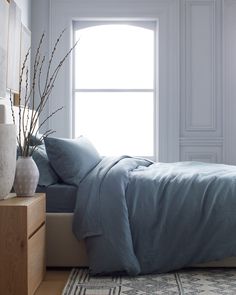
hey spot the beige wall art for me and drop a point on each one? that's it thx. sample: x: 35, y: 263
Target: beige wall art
x: 4, y: 11
x: 14, y: 35
x: 25, y: 46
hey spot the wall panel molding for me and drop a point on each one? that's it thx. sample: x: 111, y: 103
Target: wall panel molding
x: 201, y: 61
x: 229, y: 78
x: 218, y: 141
x: 202, y: 149
x: 210, y: 157
x: 202, y: 154
x: 201, y: 94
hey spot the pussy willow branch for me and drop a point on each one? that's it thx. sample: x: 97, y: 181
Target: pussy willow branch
x: 52, y: 56
x: 26, y: 91
x: 36, y: 64
x: 35, y: 69
x: 22, y: 120
x: 34, y: 83
x: 50, y: 85
x: 12, y: 110
x: 14, y: 119
x: 57, y: 69
x: 20, y: 89
x: 39, y: 76
x: 46, y: 134
x: 47, y: 118
x: 27, y: 110
x: 44, y: 94
x: 52, y: 81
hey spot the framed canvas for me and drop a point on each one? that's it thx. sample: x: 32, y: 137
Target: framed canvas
x: 25, y: 44
x: 14, y: 34
x: 4, y: 11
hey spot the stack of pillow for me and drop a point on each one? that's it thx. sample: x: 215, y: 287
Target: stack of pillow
x: 64, y: 160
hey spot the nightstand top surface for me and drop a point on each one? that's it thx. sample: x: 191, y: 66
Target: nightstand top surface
x: 13, y: 200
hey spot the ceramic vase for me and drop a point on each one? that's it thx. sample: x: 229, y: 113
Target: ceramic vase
x: 7, y: 158
x: 26, y: 177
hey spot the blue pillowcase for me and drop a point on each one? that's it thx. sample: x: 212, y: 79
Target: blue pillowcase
x: 35, y: 139
x: 47, y: 176
x: 72, y: 159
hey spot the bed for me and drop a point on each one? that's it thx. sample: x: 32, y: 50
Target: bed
x: 62, y: 248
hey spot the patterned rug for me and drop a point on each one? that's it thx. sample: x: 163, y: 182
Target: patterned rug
x: 184, y: 282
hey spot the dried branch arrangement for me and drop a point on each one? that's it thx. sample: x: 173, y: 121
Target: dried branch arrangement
x: 28, y: 123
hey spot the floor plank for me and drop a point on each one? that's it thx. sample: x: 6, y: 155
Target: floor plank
x: 54, y: 282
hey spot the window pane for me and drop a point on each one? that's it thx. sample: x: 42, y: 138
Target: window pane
x: 114, y: 57
x: 117, y: 123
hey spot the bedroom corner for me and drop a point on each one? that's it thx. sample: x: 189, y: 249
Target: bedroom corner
x: 131, y: 133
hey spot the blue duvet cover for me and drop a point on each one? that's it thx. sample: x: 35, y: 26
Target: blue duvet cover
x: 141, y: 217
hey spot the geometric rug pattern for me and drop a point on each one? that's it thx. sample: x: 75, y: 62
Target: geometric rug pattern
x: 221, y: 281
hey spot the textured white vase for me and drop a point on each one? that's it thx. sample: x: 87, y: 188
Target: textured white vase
x: 7, y: 158
x: 26, y: 177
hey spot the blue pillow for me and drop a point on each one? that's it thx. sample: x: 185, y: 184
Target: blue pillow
x: 72, y: 159
x: 35, y: 139
x: 47, y: 176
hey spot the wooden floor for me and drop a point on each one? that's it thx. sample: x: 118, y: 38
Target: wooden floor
x: 54, y: 282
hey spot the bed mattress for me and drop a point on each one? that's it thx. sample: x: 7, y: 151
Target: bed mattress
x: 60, y: 198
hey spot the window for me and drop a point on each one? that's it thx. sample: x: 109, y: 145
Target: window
x: 114, y: 88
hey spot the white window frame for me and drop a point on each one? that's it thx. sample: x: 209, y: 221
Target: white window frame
x: 149, y: 24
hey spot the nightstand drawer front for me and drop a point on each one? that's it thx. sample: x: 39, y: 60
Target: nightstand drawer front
x: 36, y: 216
x: 22, y: 244
x: 13, y: 250
x: 36, y: 260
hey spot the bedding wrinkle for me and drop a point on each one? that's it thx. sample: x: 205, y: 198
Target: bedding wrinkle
x: 156, y: 217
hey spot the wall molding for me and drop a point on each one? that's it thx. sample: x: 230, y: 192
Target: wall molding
x: 201, y: 141
x: 211, y: 157
x: 229, y: 74
x: 189, y: 125
x: 202, y: 149
x: 192, y: 107
x: 201, y: 131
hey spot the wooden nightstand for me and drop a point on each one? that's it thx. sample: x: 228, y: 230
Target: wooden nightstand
x: 22, y: 244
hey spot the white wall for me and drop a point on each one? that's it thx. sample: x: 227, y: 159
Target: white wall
x: 229, y: 72
x: 197, y: 97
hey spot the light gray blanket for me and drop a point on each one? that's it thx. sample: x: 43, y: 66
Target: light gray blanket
x: 143, y: 217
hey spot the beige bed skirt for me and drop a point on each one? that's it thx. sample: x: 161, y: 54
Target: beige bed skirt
x: 64, y: 250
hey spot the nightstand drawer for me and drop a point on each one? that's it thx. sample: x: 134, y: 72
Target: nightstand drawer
x: 35, y: 216
x: 22, y: 244
x: 36, y: 259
